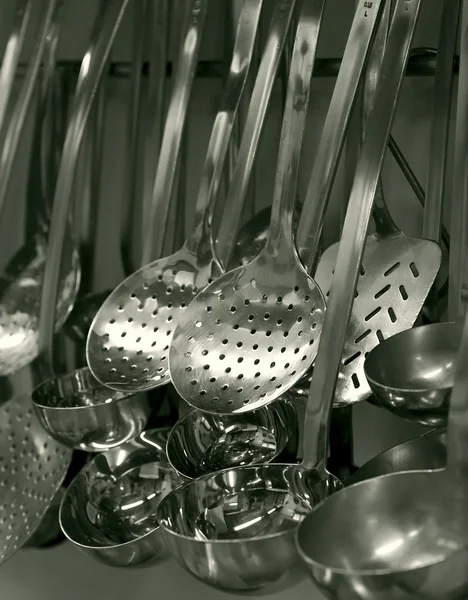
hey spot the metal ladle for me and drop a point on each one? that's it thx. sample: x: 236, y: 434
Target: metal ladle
x: 129, y: 340
x: 412, y: 373
x: 235, y: 529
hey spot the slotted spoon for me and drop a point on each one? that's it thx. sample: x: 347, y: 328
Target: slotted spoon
x: 128, y: 343
x: 253, y: 333
x: 396, y: 275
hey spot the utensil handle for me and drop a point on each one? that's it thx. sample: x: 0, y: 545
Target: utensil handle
x: 459, y: 200
x: 384, y: 224
x: 11, y: 135
x: 293, y: 127
x: 12, y: 54
x: 92, y: 68
x: 156, y: 221
x: 334, y: 130
x: 234, y: 205
x: 225, y: 119
x: 332, y: 339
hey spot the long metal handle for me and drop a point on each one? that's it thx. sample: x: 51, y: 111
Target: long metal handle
x: 266, y: 76
x: 309, y: 229
x: 327, y: 365
x: 155, y: 230
x: 12, y: 54
x: 16, y: 125
x: 459, y: 201
x: 294, y: 120
x: 225, y: 119
x: 92, y: 68
x: 133, y: 194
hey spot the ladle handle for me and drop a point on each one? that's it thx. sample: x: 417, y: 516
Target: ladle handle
x: 92, y: 68
x: 156, y: 222
x: 365, y: 21
x: 459, y: 200
x: 234, y: 205
x: 225, y: 119
x: 11, y: 134
x: 294, y: 120
x: 351, y: 248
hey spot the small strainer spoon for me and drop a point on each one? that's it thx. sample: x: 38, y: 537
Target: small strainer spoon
x: 253, y: 333
x: 128, y: 342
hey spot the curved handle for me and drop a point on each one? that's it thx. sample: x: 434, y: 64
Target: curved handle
x: 12, y: 54
x: 334, y: 129
x: 15, y: 127
x: 234, y: 205
x: 154, y: 232
x: 225, y: 119
x: 351, y: 248
x: 294, y: 120
x: 92, y: 67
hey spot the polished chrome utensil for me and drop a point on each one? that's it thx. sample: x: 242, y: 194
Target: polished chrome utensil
x: 108, y: 511
x: 420, y: 389
x: 397, y: 273
x: 128, y: 343
x: 79, y: 412
x: 253, y: 333
x: 21, y: 281
x: 71, y: 407
x: 235, y: 529
x: 428, y: 451
x: 201, y: 443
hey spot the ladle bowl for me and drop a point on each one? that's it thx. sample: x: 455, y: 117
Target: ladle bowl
x: 202, y: 443
x: 79, y: 412
x: 108, y: 511
x: 411, y: 374
x: 234, y: 529
x: 422, y: 453
x: 391, y: 537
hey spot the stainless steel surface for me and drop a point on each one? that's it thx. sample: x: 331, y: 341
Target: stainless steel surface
x: 412, y: 373
x: 252, y: 333
x: 423, y: 453
x: 201, y: 443
x: 79, y: 412
x: 368, y: 540
x: 156, y: 221
x: 234, y: 529
x: 396, y: 275
x: 21, y: 281
x: 155, y: 296
x: 109, y: 510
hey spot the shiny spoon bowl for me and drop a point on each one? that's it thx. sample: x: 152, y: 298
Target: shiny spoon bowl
x: 411, y: 374
x: 108, y: 511
x: 201, y: 443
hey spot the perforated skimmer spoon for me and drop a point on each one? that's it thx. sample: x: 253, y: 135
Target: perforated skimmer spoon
x: 396, y: 275
x: 253, y: 333
x: 128, y: 343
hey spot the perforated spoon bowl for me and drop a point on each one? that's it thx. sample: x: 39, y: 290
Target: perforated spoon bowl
x: 128, y: 343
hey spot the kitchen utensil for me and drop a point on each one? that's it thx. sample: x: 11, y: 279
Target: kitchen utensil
x: 235, y: 529
x: 428, y: 451
x: 108, y: 511
x: 397, y: 273
x: 70, y: 406
x: 146, y: 306
x: 21, y: 281
x: 420, y: 389
x: 201, y: 443
x: 253, y: 333
x: 79, y: 412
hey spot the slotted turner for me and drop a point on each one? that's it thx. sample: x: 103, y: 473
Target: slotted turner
x: 250, y: 335
x: 128, y: 342
x: 396, y: 276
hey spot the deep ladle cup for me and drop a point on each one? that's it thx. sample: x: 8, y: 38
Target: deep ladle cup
x: 235, y: 529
